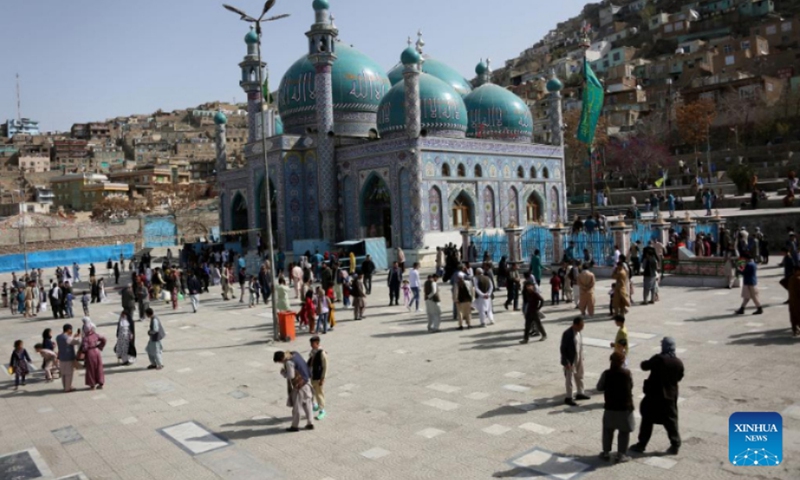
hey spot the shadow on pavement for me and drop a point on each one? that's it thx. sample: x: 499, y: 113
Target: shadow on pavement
x: 780, y: 336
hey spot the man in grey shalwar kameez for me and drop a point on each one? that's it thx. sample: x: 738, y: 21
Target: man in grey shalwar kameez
x: 156, y: 334
x: 298, y: 379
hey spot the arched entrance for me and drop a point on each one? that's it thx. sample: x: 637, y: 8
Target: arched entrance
x: 262, y: 210
x: 239, y: 219
x: 534, y: 208
x: 376, y: 208
x: 488, y: 208
x: 554, y: 210
x: 463, y: 211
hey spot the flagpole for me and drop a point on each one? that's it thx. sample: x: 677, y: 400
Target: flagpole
x: 592, y: 174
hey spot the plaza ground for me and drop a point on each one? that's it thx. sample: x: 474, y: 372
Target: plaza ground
x: 402, y: 403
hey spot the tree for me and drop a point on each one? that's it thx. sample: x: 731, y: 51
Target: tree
x: 639, y: 156
x: 182, y: 201
x: 575, y: 151
x: 115, y: 209
x: 694, y: 121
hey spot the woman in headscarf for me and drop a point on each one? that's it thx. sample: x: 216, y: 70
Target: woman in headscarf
x: 616, y: 384
x: 92, y: 344
x: 124, y: 340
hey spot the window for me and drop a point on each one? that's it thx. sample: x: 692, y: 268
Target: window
x: 786, y: 27
x: 545, y: 173
x: 679, y: 26
x: 605, y: 63
x: 616, y: 57
x: 727, y: 49
x: 461, y: 171
x: 772, y: 30
x: 478, y: 171
x: 746, y: 45
x: 729, y: 60
x: 668, y: 28
x: 520, y: 172
x: 533, y: 173
x: 769, y: 87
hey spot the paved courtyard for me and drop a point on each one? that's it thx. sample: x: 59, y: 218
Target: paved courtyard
x: 402, y: 403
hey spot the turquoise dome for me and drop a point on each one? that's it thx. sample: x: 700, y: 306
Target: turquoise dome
x: 321, y: 5
x: 251, y: 38
x: 496, y: 113
x: 481, y: 68
x: 439, y: 70
x: 220, y: 118
x: 554, y: 85
x: 359, y: 84
x: 410, y: 56
x: 443, y: 109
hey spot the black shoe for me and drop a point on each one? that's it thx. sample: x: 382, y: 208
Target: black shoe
x: 570, y: 402
x: 309, y: 427
x: 460, y: 328
x: 292, y: 429
x: 523, y: 342
x: 673, y: 450
x: 151, y: 367
x: 739, y: 312
x: 605, y: 456
x: 637, y: 447
x: 506, y: 305
x: 759, y: 311
x: 581, y: 396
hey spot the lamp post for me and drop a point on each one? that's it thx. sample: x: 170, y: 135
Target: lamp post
x: 257, y: 22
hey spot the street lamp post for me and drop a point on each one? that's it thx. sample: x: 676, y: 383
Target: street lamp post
x: 257, y: 22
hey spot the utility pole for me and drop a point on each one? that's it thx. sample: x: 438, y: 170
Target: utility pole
x: 19, y: 102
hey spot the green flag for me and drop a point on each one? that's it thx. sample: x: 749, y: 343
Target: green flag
x: 592, y: 105
x: 265, y: 91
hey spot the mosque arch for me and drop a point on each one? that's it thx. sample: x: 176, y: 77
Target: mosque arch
x: 461, y: 170
x: 478, y: 171
x: 463, y: 210
x: 534, y: 208
x: 554, y: 205
x: 489, y: 208
x: 545, y: 173
x: 239, y: 218
x: 513, y: 205
x: 376, y: 207
x: 446, y: 170
x: 534, y: 173
x: 520, y: 172
x: 435, y: 209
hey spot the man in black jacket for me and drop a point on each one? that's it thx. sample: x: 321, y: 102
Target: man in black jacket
x: 394, y: 280
x: 660, y: 402
x: 572, y: 360
x: 194, y: 286
x: 367, y: 269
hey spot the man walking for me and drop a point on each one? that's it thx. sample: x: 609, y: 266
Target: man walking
x: 512, y: 285
x: 536, y: 267
x: 650, y: 272
x: 318, y: 364
x: 357, y: 291
x: 128, y: 301
x: 750, y: 286
x: 483, y: 298
x: 572, y: 360
x: 193, y: 284
x: 156, y: 334
x: 143, y: 299
x: 394, y: 279
x: 660, y: 403
x: 432, y: 303
x: 415, y: 284
x: 586, y: 282
x: 76, y: 273
x: 66, y: 356
x: 367, y: 269
x: 295, y: 371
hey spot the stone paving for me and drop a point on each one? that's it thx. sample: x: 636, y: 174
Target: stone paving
x: 402, y: 403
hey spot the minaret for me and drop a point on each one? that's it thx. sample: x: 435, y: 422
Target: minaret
x: 412, y: 61
x: 483, y: 72
x: 322, y: 53
x: 221, y: 141
x: 554, y: 87
x: 250, y: 85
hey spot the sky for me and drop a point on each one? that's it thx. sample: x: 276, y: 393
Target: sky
x: 89, y: 60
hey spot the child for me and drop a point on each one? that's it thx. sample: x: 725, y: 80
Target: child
x: 13, y: 303
x: 70, y: 298
x: 19, y: 363
x: 323, y: 310
x: 308, y: 314
x: 85, y: 302
x: 555, y: 289
x: 406, y: 294
x: 332, y: 316
x: 318, y: 366
x: 252, y: 288
x: 620, y: 343
x: 562, y: 274
x: 611, y: 299
x: 5, y: 295
x: 49, y: 357
x: 346, y: 292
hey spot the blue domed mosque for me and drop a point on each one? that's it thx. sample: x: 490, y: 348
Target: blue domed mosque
x: 414, y: 155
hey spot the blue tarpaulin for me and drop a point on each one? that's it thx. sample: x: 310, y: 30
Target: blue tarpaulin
x: 55, y: 258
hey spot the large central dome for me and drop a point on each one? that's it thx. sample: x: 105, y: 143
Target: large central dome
x: 359, y: 84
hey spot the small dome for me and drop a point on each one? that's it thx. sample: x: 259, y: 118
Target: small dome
x: 481, y: 68
x: 554, y: 85
x: 496, y: 113
x: 439, y: 70
x: 321, y: 5
x: 220, y: 118
x: 251, y: 38
x: 443, y: 110
x: 410, y: 56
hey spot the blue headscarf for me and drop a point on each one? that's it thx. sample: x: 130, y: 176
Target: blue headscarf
x: 668, y: 346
